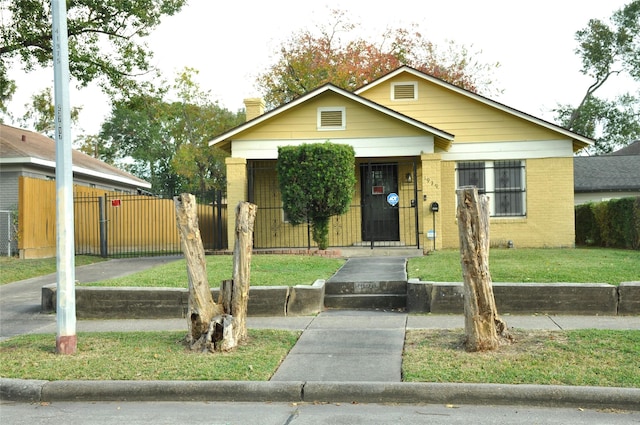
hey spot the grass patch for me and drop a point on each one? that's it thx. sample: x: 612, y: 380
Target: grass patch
x: 584, y: 357
x: 13, y: 269
x: 143, y: 356
x: 266, y: 270
x: 536, y: 265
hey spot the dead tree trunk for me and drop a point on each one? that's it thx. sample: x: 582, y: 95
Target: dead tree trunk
x: 235, y: 294
x: 483, y: 327
x: 202, y: 309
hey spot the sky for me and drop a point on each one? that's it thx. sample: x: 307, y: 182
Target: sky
x: 231, y: 42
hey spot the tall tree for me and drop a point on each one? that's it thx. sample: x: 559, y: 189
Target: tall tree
x: 40, y: 113
x: 308, y: 60
x: 104, y: 39
x: 608, y: 51
x: 199, y: 119
x: 163, y: 135
x: 137, y: 135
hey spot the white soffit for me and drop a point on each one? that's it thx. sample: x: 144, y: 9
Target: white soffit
x: 509, y: 150
x: 364, y: 148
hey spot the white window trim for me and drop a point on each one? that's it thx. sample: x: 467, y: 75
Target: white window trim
x: 409, y: 83
x: 340, y: 109
x: 490, y: 187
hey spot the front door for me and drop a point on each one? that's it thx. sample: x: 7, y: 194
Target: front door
x: 380, y: 217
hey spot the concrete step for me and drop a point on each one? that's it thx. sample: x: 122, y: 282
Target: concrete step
x: 385, y: 287
x: 366, y: 301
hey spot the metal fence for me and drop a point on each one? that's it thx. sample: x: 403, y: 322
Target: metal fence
x: 121, y: 225
x: 383, y: 212
x: 8, y: 240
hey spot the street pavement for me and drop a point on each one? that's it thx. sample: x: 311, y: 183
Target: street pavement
x: 341, y: 356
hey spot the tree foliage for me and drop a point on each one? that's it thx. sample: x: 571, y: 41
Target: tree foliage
x: 105, y: 39
x: 165, y: 141
x: 317, y: 182
x: 608, y: 51
x: 308, y: 60
x: 40, y: 113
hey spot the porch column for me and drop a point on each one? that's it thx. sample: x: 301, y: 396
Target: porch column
x: 236, y: 193
x: 431, y: 192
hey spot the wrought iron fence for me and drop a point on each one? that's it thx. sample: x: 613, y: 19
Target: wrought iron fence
x: 383, y: 211
x: 122, y: 225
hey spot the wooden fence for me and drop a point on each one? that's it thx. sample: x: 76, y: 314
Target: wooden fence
x: 110, y: 224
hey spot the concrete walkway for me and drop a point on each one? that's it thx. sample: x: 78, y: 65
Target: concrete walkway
x: 371, y: 269
x: 350, y: 346
x: 354, y: 345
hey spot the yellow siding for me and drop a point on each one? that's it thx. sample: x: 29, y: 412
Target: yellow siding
x: 549, y: 221
x: 468, y: 119
x: 301, y: 123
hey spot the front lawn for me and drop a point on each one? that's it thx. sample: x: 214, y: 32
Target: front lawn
x: 579, y: 265
x: 266, y: 270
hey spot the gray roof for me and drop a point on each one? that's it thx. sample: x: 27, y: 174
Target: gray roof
x: 609, y: 173
x: 20, y: 146
x: 632, y: 148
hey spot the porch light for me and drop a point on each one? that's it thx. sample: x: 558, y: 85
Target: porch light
x: 408, y: 178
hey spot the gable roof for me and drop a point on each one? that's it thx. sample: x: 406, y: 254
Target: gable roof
x: 632, y: 148
x: 579, y: 141
x: 607, y: 173
x: 223, y: 139
x: 20, y: 146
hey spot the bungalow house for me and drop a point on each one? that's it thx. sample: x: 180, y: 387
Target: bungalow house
x: 25, y: 153
x: 416, y: 139
x: 605, y: 177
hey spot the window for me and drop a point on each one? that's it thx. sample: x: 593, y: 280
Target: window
x: 502, y: 181
x: 404, y: 91
x: 331, y: 118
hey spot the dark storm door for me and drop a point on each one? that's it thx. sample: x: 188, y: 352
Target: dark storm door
x: 380, y: 218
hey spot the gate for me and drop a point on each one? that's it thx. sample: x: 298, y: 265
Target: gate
x: 383, y: 211
x: 389, y: 193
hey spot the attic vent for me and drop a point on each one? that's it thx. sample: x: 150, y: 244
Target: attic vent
x: 404, y: 91
x: 331, y: 118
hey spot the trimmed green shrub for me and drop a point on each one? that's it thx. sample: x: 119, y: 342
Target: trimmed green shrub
x: 587, y: 232
x: 316, y: 181
x: 614, y: 223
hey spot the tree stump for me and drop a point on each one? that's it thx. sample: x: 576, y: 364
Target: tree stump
x: 202, y: 310
x: 243, y: 248
x: 484, y: 329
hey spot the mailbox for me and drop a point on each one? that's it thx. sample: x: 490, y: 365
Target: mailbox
x: 435, y: 207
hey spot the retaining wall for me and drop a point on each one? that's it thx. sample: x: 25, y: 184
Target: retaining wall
x: 530, y: 298
x: 304, y: 300
x: 93, y: 302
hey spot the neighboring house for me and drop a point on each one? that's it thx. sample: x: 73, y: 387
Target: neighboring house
x: 416, y: 139
x: 601, y: 178
x: 25, y: 153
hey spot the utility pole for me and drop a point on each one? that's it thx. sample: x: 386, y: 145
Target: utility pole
x: 66, y: 338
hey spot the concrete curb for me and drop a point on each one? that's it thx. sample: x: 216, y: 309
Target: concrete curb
x: 31, y: 391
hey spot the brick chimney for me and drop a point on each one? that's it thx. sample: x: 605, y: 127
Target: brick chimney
x: 254, y: 107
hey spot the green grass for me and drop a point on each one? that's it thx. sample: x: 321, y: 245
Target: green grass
x: 13, y: 269
x: 266, y: 270
x: 536, y: 265
x: 585, y: 357
x: 143, y: 356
